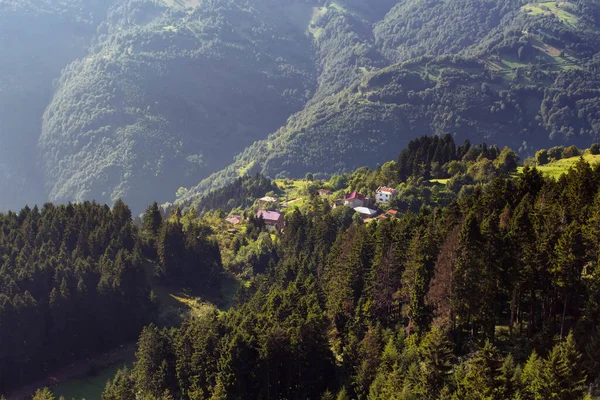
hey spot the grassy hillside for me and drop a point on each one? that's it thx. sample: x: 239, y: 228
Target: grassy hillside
x: 555, y: 169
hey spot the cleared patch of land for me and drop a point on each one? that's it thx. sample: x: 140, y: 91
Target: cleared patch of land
x: 557, y: 168
x: 564, y: 10
x: 439, y: 181
x: 317, y: 13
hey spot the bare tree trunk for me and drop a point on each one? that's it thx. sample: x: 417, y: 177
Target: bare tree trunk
x: 513, y: 309
x: 531, y: 314
x: 564, y: 316
x: 520, y: 314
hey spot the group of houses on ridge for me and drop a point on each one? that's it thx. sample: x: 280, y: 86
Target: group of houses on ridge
x: 363, y: 205
x: 274, y: 219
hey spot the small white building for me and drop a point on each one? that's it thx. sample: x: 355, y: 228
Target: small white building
x: 385, y: 194
x: 365, y: 212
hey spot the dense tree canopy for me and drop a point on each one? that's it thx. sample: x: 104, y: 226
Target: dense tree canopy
x: 493, y: 295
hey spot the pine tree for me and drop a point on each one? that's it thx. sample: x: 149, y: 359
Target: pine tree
x: 480, y: 381
x: 121, y: 387
x: 436, y: 358
x: 152, y: 219
x: 563, y: 377
x: 468, y: 297
x: 533, y: 378
x: 569, y: 261
x: 43, y: 394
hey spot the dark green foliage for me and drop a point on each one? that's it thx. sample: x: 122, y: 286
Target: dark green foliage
x: 68, y: 276
x: 571, y: 151
x: 187, y: 256
x: 542, y: 157
x: 422, y: 152
x: 452, y: 302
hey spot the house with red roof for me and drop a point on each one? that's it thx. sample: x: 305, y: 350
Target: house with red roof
x: 354, y: 200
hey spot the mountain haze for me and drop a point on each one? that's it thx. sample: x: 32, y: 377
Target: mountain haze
x: 138, y: 98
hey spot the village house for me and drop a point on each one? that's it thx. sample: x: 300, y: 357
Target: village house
x: 266, y: 200
x: 324, y: 192
x: 355, y: 200
x: 234, y: 219
x: 385, y: 194
x: 273, y: 219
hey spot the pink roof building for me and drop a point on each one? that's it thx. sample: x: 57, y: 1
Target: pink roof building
x: 272, y: 219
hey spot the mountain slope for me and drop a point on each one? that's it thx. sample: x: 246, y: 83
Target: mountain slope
x: 164, y: 94
x: 172, y: 96
x: 530, y: 81
x: 37, y: 39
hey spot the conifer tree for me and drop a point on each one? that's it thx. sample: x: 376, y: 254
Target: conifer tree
x: 436, y: 359
x: 481, y: 378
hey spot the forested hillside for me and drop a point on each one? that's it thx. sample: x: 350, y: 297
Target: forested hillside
x: 475, y: 281
x: 167, y: 96
x: 74, y: 281
x: 491, y: 295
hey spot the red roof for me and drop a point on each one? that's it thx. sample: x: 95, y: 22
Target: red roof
x: 386, y: 190
x: 354, y: 195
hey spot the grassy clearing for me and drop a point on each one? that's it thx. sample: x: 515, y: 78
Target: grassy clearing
x: 564, y: 10
x: 244, y: 171
x: 91, y: 387
x: 293, y: 192
x: 317, y: 13
x: 557, y: 168
x: 439, y: 181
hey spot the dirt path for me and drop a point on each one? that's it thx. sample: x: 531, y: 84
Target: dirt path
x: 78, y: 369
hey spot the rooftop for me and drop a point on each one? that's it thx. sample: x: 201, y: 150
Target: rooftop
x: 386, y: 190
x: 365, y: 211
x: 355, y: 195
x: 269, y: 215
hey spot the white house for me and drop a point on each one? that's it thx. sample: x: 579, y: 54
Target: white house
x: 385, y: 194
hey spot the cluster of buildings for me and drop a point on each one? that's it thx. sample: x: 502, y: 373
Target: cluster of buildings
x: 365, y: 206
x: 274, y: 219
